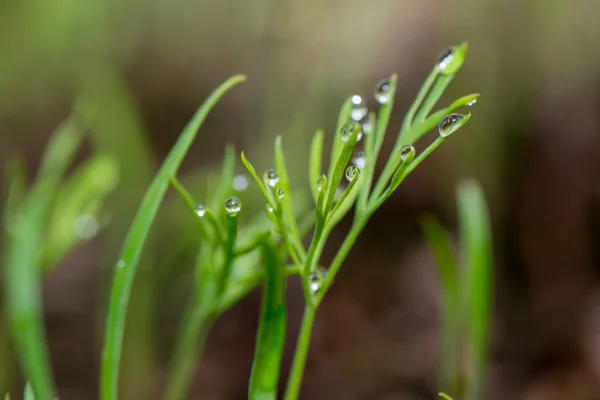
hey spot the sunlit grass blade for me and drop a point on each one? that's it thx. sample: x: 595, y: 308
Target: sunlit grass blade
x: 132, y: 248
x: 271, y: 332
x: 258, y: 181
x: 315, y: 163
x: 448, y: 272
x: 477, y: 242
x: 23, y: 260
x: 337, y: 145
x: 444, y: 396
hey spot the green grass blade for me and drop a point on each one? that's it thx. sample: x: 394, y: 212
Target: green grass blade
x: 286, y: 201
x: 439, y: 241
x: 225, y: 182
x: 15, y: 178
x: 82, y: 194
x: 28, y: 394
x: 338, y: 145
x: 271, y: 332
x: 347, y: 200
x: 138, y: 233
x: 459, y: 53
x: 193, y: 329
x: 258, y: 181
x: 477, y: 241
x: 315, y: 163
x: 23, y: 266
x: 383, y: 119
x: 340, y: 167
x: 7, y: 396
x: 444, y: 396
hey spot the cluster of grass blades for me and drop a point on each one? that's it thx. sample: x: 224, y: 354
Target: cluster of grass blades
x: 235, y: 257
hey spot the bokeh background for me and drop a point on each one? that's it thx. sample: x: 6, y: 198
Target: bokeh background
x: 533, y: 143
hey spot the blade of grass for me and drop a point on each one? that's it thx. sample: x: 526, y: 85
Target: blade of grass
x: 225, y: 182
x: 315, y: 163
x: 338, y: 145
x: 271, y: 331
x: 476, y: 240
x: 340, y: 166
x: 193, y: 330
x: 439, y: 241
x: 383, y: 119
x: 23, y: 266
x: 132, y: 248
x: 28, y: 394
x: 286, y: 201
x: 258, y: 181
x: 458, y: 56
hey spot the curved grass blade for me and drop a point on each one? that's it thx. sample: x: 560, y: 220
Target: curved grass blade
x: 444, y: 396
x: 439, y: 241
x: 271, y: 332
x: 476, y: 238
x: 258, y: 181
x: 23, y: 266
x: 132, y: 248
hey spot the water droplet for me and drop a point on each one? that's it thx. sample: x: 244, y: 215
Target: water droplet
x: 269, y: 209
x: 406, y: 151
x: 315, y: 280
x: 472, y: 102
x: 351, y: 173
x: 348, y: 128
x: 383, y: 91
x: 444, y: 59
x: 272, y: 178
x: 320, y: 183
x: 120, y: 264
x: 86, y: 226
x: 360, y: 160
x: 359, y: 108
x: 367, y: 126
x: 233, y: 205
x: 450, y: 124
x: 279, y: 192
x: 200, y: 210
x: 240, y: 183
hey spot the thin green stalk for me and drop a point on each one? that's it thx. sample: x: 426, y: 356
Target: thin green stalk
x: 301, y: 353
x: 188, y: 348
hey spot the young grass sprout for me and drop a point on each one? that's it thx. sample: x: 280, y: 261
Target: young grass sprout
x: 238, y: 254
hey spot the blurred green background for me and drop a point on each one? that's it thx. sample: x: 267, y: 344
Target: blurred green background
x: 137, y: 70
